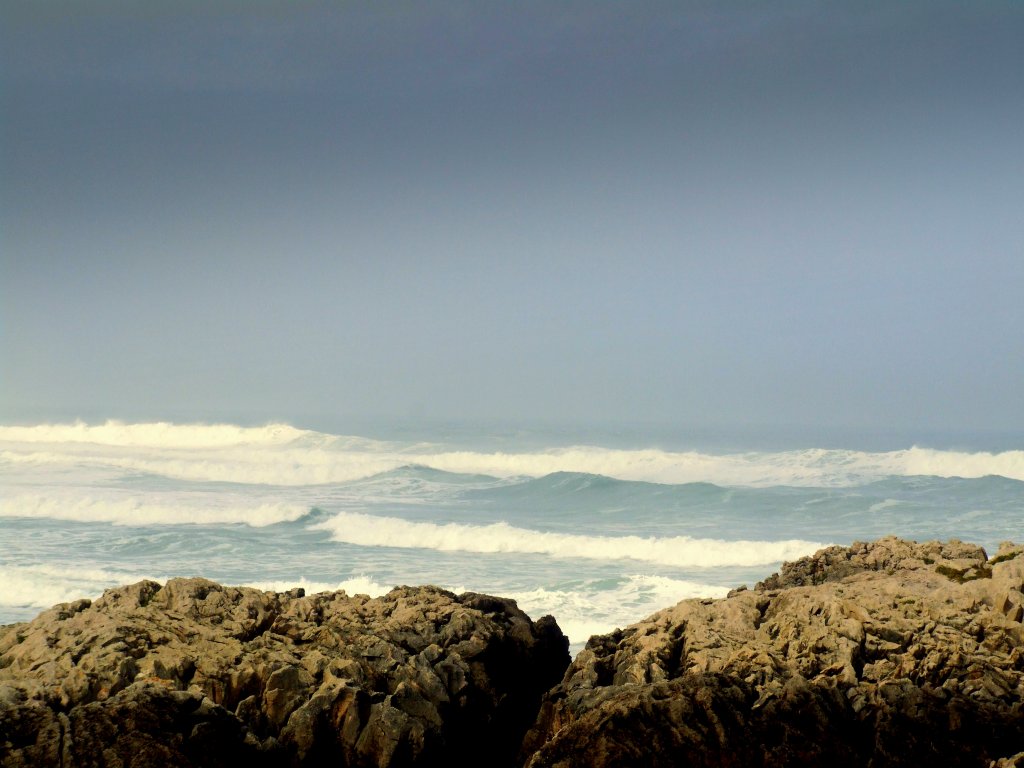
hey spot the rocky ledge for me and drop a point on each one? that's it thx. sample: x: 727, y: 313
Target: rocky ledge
x: 889, y: 653
x: 196, y: 674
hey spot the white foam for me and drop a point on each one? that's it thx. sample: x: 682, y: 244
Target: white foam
x: 264, y: 466
x: 357, y: 585
x: 140, y: 510
x: 42, y: 586
x: 281, y: 455
x: 885, y: 504
x: 162, y: 434
x: 683, y: 551
x: 653, y: 465
x: 928, y: 461
x: 588, y: 610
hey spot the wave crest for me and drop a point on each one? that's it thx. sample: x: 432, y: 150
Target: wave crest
x: 928, y: 461
x: 155, y: 434
x: 140, y: 511
x: 681, y: 551
x: 278, y: 454
x: 37, y: 587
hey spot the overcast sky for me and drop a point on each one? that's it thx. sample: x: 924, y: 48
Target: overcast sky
x: 685, y: 213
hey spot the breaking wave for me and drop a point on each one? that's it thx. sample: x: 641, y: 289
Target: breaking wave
x: 138, y: 510
x: 41, y: 586
x: 278, y: 454
x: 681, y: 551
x: 153, y: 434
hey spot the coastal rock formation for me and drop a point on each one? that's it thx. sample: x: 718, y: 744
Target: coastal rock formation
x: 889, y: 653
x: 193, y: 673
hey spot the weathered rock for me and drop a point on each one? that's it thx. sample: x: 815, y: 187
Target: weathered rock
x: 886, y: 654
x: 196, y: 674
x: 889, y: 555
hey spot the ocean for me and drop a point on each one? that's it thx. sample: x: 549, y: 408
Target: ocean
x: 597, y: 529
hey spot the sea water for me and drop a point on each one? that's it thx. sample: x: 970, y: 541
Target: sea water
x: 597, y: 530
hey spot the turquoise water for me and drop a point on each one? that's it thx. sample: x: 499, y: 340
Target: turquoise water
x: 599, y: 535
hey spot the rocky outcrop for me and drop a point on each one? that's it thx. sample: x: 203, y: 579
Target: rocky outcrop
x: 888, y: 555
x: 193, y: 673
x: 889, y: 653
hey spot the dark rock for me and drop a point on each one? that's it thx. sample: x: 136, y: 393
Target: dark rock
x: 193, y: 673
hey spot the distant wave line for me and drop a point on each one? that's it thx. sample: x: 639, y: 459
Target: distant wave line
x: 152, y: 434
x: 286, y: 456
x: 139, y: 511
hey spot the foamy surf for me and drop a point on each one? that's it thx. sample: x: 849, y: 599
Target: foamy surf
x: 152, y: 434
x: 681, y: 551
x: 282, y: 455
x: 589, y: 609
x: 35, y: 587
x: 138, y: 510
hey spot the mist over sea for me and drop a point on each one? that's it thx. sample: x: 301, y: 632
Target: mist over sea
x: 598, y: 528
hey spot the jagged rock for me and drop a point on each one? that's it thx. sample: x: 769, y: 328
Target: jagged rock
x: 889, y: 653
x: 888, y: 554
x: 196, y: 674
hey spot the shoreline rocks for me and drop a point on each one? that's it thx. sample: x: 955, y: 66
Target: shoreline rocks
x: 196, y: 674
x: 885, y: 653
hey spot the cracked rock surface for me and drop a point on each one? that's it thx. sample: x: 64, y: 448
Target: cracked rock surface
x: 193, y: 673
x: 890, y: 653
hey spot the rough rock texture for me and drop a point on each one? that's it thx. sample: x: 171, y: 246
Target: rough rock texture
x: 197, y: 674
x: 883, y: 654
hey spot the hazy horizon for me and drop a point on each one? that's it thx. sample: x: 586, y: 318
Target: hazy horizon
x: 787, y: 216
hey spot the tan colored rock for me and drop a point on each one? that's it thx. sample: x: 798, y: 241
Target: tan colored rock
x: 886, y: 653
x: 195, y: 673
x: 1016, y: 761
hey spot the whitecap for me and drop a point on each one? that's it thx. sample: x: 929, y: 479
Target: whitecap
x: 682, y: 551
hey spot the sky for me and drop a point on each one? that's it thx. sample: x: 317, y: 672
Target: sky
x: 681, y: 213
